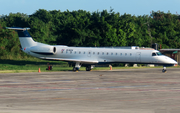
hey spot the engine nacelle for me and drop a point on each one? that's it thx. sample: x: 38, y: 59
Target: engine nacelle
x: 43, y: 50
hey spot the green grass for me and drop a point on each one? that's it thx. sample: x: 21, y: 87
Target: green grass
x: 30, y: 65
x: 33, y: 64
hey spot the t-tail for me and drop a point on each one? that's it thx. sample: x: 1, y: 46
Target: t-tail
x: 24, y: 37
x: 31, y: 47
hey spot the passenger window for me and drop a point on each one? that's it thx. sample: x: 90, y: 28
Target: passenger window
x: 98, y: 53
x: 79, y: 52
x: 130, y: 54
x: 102, y: 53
x: 107, y: 53
x: 93, y: 53
x: 116, y: 54
x: 84, y: 52
x: 121, y: 54
x: 74, y: 52
x: 125, y: 53
x: 153, y: 54
x: 111, y: 53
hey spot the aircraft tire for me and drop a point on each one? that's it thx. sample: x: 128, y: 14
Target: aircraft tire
x: 75, y: 69
x: 88, y: 68
x: 164, y: 71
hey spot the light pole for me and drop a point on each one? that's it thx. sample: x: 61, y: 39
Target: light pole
x: 149, y: 30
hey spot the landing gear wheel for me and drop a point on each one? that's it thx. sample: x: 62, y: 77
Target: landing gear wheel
x: 88, y: 68
x: 75, y: 69
x: 164, y: 71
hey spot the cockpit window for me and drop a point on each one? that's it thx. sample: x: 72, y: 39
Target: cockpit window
x: 153, y: 54
x: 159, y: 53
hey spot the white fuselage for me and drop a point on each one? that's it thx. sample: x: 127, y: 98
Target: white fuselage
x: 103, y: 55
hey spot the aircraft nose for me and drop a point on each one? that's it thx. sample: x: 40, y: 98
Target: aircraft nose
x: 173, y: 61
x: 176, y: 62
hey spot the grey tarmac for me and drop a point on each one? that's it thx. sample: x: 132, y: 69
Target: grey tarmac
x: 116, y: 91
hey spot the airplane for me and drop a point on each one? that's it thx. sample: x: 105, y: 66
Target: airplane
x: 91, y: 56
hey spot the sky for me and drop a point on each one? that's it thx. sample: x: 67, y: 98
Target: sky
x: 133, y: 7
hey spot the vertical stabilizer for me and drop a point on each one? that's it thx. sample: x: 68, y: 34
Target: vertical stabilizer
x: 24, y: 37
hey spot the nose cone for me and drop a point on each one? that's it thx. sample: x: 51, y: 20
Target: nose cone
x: 174, y: 62
x: 171, y: 61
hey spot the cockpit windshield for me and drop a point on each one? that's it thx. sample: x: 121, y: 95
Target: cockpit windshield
x: 157, y: 54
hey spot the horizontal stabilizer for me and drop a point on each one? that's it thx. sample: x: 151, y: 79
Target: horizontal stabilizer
x: 17, y: 28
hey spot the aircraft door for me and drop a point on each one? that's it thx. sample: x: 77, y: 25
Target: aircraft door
x: 89, y: 53
x: 138, y: 56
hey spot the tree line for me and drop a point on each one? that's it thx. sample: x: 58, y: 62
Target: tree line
x: 95, y: 29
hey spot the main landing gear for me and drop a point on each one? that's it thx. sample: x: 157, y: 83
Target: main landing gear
x: 75, y: 69
x: 164, y: 69
x: 77, y: 66
x: 89, y: 68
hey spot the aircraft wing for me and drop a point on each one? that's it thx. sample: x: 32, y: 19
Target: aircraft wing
x: 70, y: 60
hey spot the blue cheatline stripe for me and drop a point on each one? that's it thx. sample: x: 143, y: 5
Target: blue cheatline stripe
x: 22, y: 33
x: 43, y: 53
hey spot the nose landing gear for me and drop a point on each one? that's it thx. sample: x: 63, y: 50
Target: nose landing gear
x: 164, y: 69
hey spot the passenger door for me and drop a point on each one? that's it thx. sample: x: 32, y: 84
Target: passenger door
x: 138, y: 57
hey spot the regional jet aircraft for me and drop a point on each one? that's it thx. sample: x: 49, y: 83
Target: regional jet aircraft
x: 90, y: 56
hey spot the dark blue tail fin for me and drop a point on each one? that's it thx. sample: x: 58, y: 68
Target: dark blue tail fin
x: 24, y: 37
